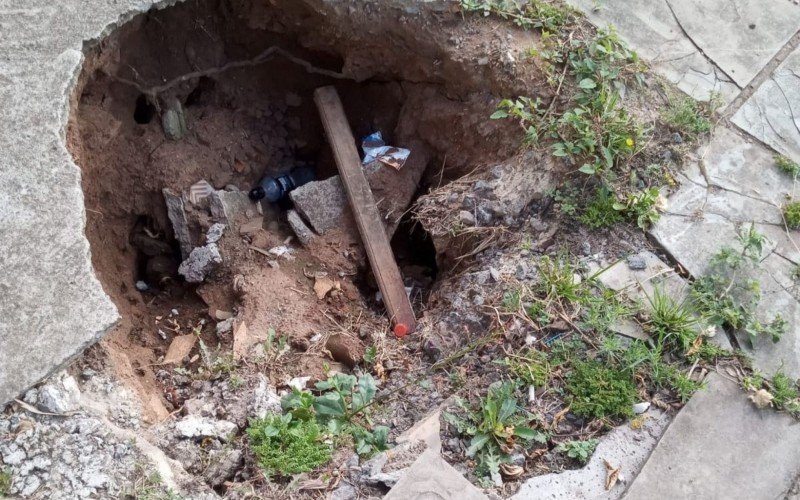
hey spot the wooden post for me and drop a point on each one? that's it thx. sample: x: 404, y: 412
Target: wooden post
x: 365, y: 211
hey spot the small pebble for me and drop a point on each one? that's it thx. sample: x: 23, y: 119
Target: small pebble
x: 637, y: 263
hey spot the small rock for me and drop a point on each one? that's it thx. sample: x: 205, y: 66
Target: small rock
x: 640, y: 408
x: 495, y: 274
x: 637, y: 263
x: 478, y: 300
x: 485, y: 215
x: 345, y: 349
x: 200, y: 263
x: 60, y: 395
x: 466, y: 218
x: 677, y: 138
x: 193, y: 426
x: 586, y: 248
x: 265, y: 399
x: 176, y: 211
x: 173, y: 121
x: 226, y: 205
x: 298, y: 383
x: 225, y: 326
x: 215, y: 232
x: 517, y: 459
x: 345, y: 491
x: 481, y: 186
x: 387, y: 479
x: 538, y: 225
x: 301, y: 230
x: 142, y: 286
x: 223, y: 465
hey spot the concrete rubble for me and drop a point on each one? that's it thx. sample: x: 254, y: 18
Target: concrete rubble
x: 322, y: 203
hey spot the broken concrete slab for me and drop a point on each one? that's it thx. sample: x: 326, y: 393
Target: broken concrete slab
x: 322, y: 203
x: 180, y: 225
x: 432, y: 477
x: 753, y: 31
x: 624, y: 448
x: 721, y: 446
x: 772, y: 113
x: 227, y: 205
x: 201, y: 261
x: 655, y: 32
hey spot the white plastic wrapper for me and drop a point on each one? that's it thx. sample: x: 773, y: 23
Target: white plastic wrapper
x: 377, y: 150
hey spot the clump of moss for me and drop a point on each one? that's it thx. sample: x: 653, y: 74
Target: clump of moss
x: 285, y: 445
x: 597, y: 390
x: 791, y: 213
x: 787, y: 166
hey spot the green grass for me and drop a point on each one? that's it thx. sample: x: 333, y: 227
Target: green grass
x: 784, y: 389
x: 688, y: 116
x: 600, y: 212
x: 787, y: 166
x: 5, y: 482
x: 599, y: 391
x: 673, y: 323
x: 531, y: 367
x: 791, y: 213
x: 284, y: 445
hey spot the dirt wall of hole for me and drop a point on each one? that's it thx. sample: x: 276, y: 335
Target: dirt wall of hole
x: 423, y: 75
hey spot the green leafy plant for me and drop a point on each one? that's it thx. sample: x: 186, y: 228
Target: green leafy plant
x: 370, y: 355
x: 286, y: 444
x: 344, y: 406
x: 791, y: 214
x: 787, y: 165
x: 529, y: 14
x: 786, y: 396
x: 601, y: 212
x: 597, y: 390
x: 580, y: 451
x: 728, y: 296
x: 641, y: 207
x: 497, y: 425
x: 689, y: 116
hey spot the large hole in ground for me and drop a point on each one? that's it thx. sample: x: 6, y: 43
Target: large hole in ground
x: 242, y: 75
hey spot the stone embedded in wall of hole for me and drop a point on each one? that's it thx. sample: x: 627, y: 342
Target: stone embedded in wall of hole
x: 200, y: 263
x: 180, y: 226
x: 174, y: 121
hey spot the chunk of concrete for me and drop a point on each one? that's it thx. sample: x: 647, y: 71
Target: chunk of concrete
x: 623, y: 448
x: 431, y: 477
x: 303, y: 233
x: 59, y: 395
x: 200, y: 263
x: 226, y: 205
x: 721, y: 446
x: 193, y: 426
x: 323, y: 203
x: 180, y: 225
x: 772, y: 112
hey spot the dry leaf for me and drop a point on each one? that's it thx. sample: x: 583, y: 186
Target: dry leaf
x: 511, y: 471
x: 695, y: 346
x: 762, y: 398
x: 323, y: 285
x: 37, y: 411
x: 613, y: 474
x: 180, y: 347
x: 558, y: 418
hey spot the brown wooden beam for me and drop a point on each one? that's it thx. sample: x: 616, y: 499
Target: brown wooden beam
x: 365, y: 211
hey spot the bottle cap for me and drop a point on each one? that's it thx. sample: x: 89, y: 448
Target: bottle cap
x: 400, y: 329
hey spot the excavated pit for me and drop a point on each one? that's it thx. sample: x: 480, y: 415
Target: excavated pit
x: 244, y: 73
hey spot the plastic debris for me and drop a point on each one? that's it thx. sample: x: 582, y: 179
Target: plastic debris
x: 375, y: 149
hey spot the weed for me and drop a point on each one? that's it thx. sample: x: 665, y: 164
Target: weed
x: 600, y: 212
x: 370, y: 355
x: 785, y: 392
x: 641, y: 207
x: 147, y: 486
x: 530, y: 367
x: 530, y: 14
x: 496, y: 426
x: 787, y: 165
x: 512, y: 300
x: 235, y: 381
x: 728, y: 296
x: 567, y: 199
x: 5, y: 482
x: 580, y: 451
x: 602, y: 309
x: 673, y: 323
x: 344, y: 404
x: 791, y: 214
x: 689, y: 116
x: 557, y: 280
x: 285, y: 444
x: 275, y: 347
x: 599, y: 391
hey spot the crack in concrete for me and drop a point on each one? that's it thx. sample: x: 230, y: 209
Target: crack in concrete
x: 696, y: 45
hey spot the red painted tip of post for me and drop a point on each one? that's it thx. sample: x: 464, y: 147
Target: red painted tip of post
x: 400, y: 330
